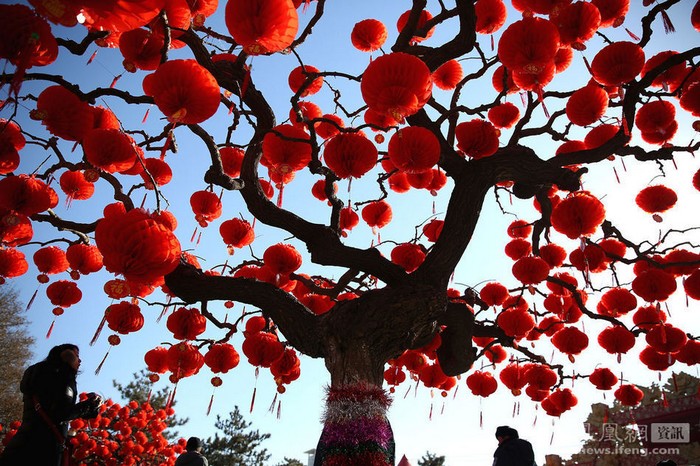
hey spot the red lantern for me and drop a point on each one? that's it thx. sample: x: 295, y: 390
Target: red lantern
x: 186, y: 323
x: 540, y: 376
x: 74, y: 184
x: 665, y: 338
x: 368, y: 35
x: 617, y: 63
x: 236, y: 233
x: 25, y: 195
x: 184, y: 360
x: 84, y: 258
x: 647, y: 317
x: 282, y: 259
x: 50, y: 260
x: 12, y: 263
x: 231, y: 160
x: 15, y: 229
x: 348, y: 219
x: 63, y: 293
x: 157, y: 359
x: 477, y: 138
x: 603, y: 378
x: 530, y: 270
x: 206, y: 207
x: 350, y: 155
x: 656, y: 198
x: 691, y: 285
x: 516, y: 323
x: 137, y: 246
x: 654, y: 285
x: 612, y: 12
x: 504, y: 115
x: 490, y: 15
x: 482, y: 383
x: 262, y: 28
x: 656, y: 361
x: 529, y: 45
x: 616, y: 302
x: 517, y: 248
x: 561, y: 400
x: 513, y: 377
x: 396, y: 84
x: 616, y: 340
x: 657, y: 121
x: 414, y: 149
x: 329, y: 126
x: 587, y: 105
x: 432, y: 375
x: 11, y: 142
x: 423, y: 17
x: 262, y: 349
x: 285, y: 365
x: 553, y: 254
x: 184, y: 91
x: 408, y: 255
x: 111, y: 150
x: 570, y: 340
x: 578, y: 215
x: 307, y: 113
x: 377, y: 214
x: 599, y: 135
x: 690, y: 353
x: 284, y: 150
x: 493, y: 294
x: 298, y: 77
x: 124, y: 317
x: 158, y: 170
x: 221, y: 358
x: 142, y: 49
x: 669, y: 79
x: 448, y: 75
x: 63, y: 113
x: 576, y: 22
x: 502, y: 80
x: 432, y: 229
x: 629, y: 395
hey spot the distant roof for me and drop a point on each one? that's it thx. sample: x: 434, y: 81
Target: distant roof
x: 404, y: 461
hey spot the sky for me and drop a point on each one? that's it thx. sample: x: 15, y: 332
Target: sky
x: 459, y: 426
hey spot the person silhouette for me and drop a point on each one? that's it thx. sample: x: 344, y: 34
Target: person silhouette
x: 193, y: 454
x: 512, y: 450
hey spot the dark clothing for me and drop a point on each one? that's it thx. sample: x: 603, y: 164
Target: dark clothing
x: 191, y: 458
x: 514, y: 452
x: 36, y: 443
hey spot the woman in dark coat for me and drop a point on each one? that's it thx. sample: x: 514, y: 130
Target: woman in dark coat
x: 49, y: 395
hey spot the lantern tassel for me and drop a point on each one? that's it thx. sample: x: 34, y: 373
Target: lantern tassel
x: 252, y: 400
x: 162, y: 314
x: 279, y: 409
x: 145, y: 115
x: 31, y: 301
x: 274, y: 402
x: 48, y: 334
x: 171, y: 398
x: 430, y: 415
x: 99, y: 367
x: 114, y: 81
x: 211, y: 402
x: 194, y: 234
x: 280, y: 195
x: 668, y: 25
x: 481, y: 418
x: 92, y: 57
x: 632, y: 34
x: 99, y: 330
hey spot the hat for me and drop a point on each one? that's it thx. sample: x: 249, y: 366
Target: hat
x: 506, y: 431
x: 193, y: 443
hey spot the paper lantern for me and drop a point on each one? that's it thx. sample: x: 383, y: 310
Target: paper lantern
x: 12, y: 263
x: 231, y: 160
x: 616, y: 340
x: 306, y: 113
x: 111, y: 150
x: 350, y: 155
x: 124, y: 317
x: 577, y: 22
x: 448, y: 75
x: 75, y: 186
x: 377, y: 214
x: 647, y: 317
x: 84, y: 258
x: 282, y: 259
x: 570, y: 340
x: 482, y: 383
x: 348, y: 219
x: 502, y: 80
x: 423, y: 17
x: 262, y: 28
x: 587, y: 105
x: 540, y: 376
x: 562, y: 399
x: 368, y: 35
x: 262, y: 349
x: 530, y: 270
x: 184, y: 360
x: 691, y: 285
x: 517, y: 248
x: 186, y: 323
x: 616, y: 302
x: 690, y: 353
x: 138, y: 247
x: 63, y: 293
x: 396, y: 84
x: 11, y: 142
x: 493, y: 294
x: 282, y: 151
x: 25, y: 195
x: 669, y: 79
x: 655, y: 360
x: 142, y: 49
x: 157, y: 359
x: 50, y: 260
x: 629, y: 395
x: 477, y: 138
x: 553, y: 254
x: 579, y: 214
x: 432, y: 229
x: 665, y: 338
x: 408, y: 255
x: 63, y: 113
x: 612, y: 12
x: 490, y: 15
x: 657, y: 198
x: 657, y: 121
x: 206, y: 207
x: 654, y: 285
x: 617, y: 63
x: 513, y: 377
x: 414, y: 149
x: 299, y: 76
x: 603, y: 378
x: 285, y: 365
x: 504, y: 115
x: 529, y: 45
x: 515, y: 323
x: 329, y: 126
x: 236, y: 233
x: 184, y: 91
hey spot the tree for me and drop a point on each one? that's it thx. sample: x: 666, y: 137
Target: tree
x: 16, y: 343
x: 290, y: 462
x: 364, y: 302
x: 236, y: 445
x: 431, y: 459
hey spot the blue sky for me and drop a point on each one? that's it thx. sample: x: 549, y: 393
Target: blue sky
x: 454, y: 429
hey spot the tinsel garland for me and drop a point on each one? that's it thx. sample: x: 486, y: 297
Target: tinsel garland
x: 356, y: 430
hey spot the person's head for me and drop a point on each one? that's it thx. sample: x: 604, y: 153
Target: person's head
x: 193, y: 444
x: 666, y: 463
x: 67, y: 354
x: 504, y: 433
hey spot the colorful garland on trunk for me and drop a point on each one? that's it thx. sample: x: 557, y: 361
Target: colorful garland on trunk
x: 356, y: 430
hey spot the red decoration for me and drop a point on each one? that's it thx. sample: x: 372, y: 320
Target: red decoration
x: 691, y: 285
x: 616, y: 340
x: 423, y: 17
x: 186, y: 323
x: 397, y: 85
x: 603, y: 378
x: 262, y: 348
x: 516, y: 323
x: 665, y: 338
x: 531, y: 270
x: 231, y: 160
x: 283, y: 150
x: 236, y: 233
x: 617, y: 63
x: 184, y: 360
x: 50, y: 260
x: 414, y: 149
x: 350, y: 155
x: 477, y: 138
x: 25, y: 194
x: 490, y: 15
x: 654, y: 285
x: 577, y: 215
x: 12, y: 263
x: 576, y: 22
x: 553, y: 254
x: 157, y: 169
x: 262, y: 28
x: 63, y: 113
x: 184, y: 91
x: 368, y: 35
x: 504, y: 115
x: 657, y: 121
x: 282, y: 259
x: 11, y: 142
x: 482, y: 383
x: 377, y: 214
x: 629, y: 395
x: 570, y: 340
x: 124, y: 317
x: 616, y: 302
x: 221, y: 358
x: 493, y: 294
x: 206, y: 207
x: 599, y: 135
x: 529, y: 45
x: 657, y: 198
x: 157, y: 359
x: 298, y: 77
x: 540, y: 376
x: 612, y: 12
x: 513, y: 377
x: 63, y: 293
x: 408, y: 255
x: 448, y: 75
x: 669, y: 79
x: 142, y: 49
x: 587, y: 105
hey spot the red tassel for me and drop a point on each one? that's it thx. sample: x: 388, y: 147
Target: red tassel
x: 143, y: 201
x: 211, y: 401
x: 588, y: 65
x: 430, y: 415
x: 668, y: 25
x: 279, y: 409
x: 148, y: 398
x: 252, y: 401
x: 199, y: 238
x: 99, y: 368
x: 246, y: 80
x: 616, y: 176
x: 492, y: 44
x: 145, y: 115
x: 31, y: 301
x: 632, y: 34
x: 194, y: 233
x: 162, y: 314
x: 481, y: 419
x: 272, y: 406
x: 92, y: 57
x: 114, y: 81
x: 99, y: 330
x: 280, y: 195
x: 48, y: 334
